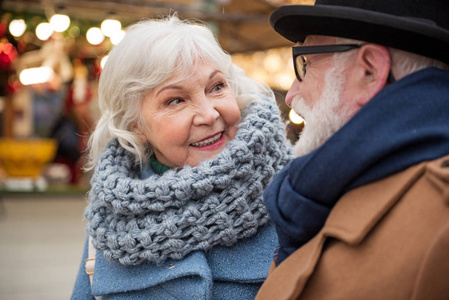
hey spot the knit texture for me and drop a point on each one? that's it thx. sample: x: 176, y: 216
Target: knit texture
x: 133, y: 220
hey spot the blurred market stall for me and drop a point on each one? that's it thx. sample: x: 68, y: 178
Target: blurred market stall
x: 51, y: 53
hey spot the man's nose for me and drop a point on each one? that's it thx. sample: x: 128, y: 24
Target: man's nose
x: 292, y: 92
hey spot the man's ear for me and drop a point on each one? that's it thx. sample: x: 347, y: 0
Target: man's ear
x: 373, y: 64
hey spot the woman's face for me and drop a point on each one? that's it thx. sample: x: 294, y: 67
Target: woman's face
x: 192, y: 120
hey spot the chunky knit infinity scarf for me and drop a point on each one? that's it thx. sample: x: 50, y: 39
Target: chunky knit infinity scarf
x: 133, y: 220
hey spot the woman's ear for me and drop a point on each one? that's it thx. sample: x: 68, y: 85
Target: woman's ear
x: 373, y: 63
x: 139, y: 132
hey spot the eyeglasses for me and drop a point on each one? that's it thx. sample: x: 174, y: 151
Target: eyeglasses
x: 300, y: 62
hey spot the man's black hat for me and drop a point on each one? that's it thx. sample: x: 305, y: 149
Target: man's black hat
x: 416, y: 26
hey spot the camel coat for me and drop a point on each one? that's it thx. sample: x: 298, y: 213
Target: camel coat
x: 385, y: 240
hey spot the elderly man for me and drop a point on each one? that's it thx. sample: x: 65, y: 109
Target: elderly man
x: 363, y: 212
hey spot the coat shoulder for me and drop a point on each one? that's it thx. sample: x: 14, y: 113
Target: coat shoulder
x: 385, y: 240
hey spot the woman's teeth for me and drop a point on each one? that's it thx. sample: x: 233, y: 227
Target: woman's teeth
x: 208, y: 141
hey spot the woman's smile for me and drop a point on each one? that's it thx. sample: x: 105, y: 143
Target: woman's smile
x: 210, y: 143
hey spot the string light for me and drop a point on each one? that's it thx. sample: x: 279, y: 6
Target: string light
x: 295, y: 118
x: 36, y: 75
x: 103, y: 61
x: 60, y: 22
x: 94, y: 36
x: 17, y: 27
x: 44, y: 31
x: 272, y: 66
x: 117, y: 37
x: 110, y: 26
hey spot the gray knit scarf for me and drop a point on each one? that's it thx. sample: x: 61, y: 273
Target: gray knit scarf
x: 133, y: 220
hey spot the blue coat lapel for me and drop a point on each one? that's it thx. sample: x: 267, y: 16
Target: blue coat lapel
x: 112, y: 278
x: 241, y: 269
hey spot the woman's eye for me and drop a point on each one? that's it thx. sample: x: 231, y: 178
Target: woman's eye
x: 218, y: 87
x: 174, y: 101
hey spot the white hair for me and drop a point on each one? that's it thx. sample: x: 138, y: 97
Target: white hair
x: 152, y: 52
x: 403, y: 63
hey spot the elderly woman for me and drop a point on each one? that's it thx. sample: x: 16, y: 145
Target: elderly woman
x: 182, y: 154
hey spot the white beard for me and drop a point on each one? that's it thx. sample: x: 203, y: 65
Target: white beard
x: 326, y: 116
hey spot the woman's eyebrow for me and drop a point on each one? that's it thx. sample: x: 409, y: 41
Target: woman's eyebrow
x: 173, y: 86
x: 177, y: 87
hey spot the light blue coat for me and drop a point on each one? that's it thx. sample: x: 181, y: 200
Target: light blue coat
x: 234, y: 272
x: 222, y: 273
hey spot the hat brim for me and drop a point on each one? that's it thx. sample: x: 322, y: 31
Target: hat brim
x: 295, y: 22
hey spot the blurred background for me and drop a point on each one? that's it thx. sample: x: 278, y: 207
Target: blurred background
x: 51, y: 56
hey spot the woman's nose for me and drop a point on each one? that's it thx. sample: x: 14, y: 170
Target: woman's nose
x: 205, y: 113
